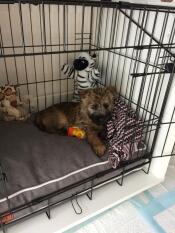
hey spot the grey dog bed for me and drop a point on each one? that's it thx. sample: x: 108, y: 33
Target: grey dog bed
x: 37, y: 163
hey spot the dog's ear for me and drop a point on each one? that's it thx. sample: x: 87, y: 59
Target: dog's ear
x: 84, y: 93
x: 80, y: 64
x: 112, y: 90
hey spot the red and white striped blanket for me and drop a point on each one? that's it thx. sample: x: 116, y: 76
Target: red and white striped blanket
x: 124, y: 133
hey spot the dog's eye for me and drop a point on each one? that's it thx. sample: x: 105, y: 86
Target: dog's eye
x: 106, y: 105
x: 94, y: 106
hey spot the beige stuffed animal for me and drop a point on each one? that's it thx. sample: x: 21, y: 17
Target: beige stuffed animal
x: 10, y: 105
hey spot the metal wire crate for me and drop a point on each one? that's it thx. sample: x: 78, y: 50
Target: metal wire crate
x: 134, y: 44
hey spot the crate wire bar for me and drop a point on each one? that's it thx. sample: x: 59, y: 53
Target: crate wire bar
x: 135, y: 46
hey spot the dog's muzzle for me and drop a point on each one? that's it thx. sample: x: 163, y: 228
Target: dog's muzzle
x: 100, y: 119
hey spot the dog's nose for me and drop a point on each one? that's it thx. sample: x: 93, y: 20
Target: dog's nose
x: 102, y: 119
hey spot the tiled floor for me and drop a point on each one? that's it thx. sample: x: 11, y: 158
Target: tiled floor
x: 152, y: 211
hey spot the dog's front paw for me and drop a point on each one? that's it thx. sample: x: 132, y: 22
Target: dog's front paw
x: 100, y: 149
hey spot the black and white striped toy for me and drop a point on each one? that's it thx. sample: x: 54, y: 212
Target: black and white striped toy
x: 83, y: 72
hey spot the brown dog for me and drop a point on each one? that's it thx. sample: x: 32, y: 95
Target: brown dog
x: 90, y: 114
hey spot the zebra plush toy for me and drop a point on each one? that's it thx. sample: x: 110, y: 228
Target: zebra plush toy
x: 84, y: 73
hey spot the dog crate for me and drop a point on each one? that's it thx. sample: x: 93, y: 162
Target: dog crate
x: 134, y: 44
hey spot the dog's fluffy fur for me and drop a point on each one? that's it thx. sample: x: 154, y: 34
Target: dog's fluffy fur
x: 91, y: 114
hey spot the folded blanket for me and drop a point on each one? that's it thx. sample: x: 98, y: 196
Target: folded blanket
x: 124, y: 133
